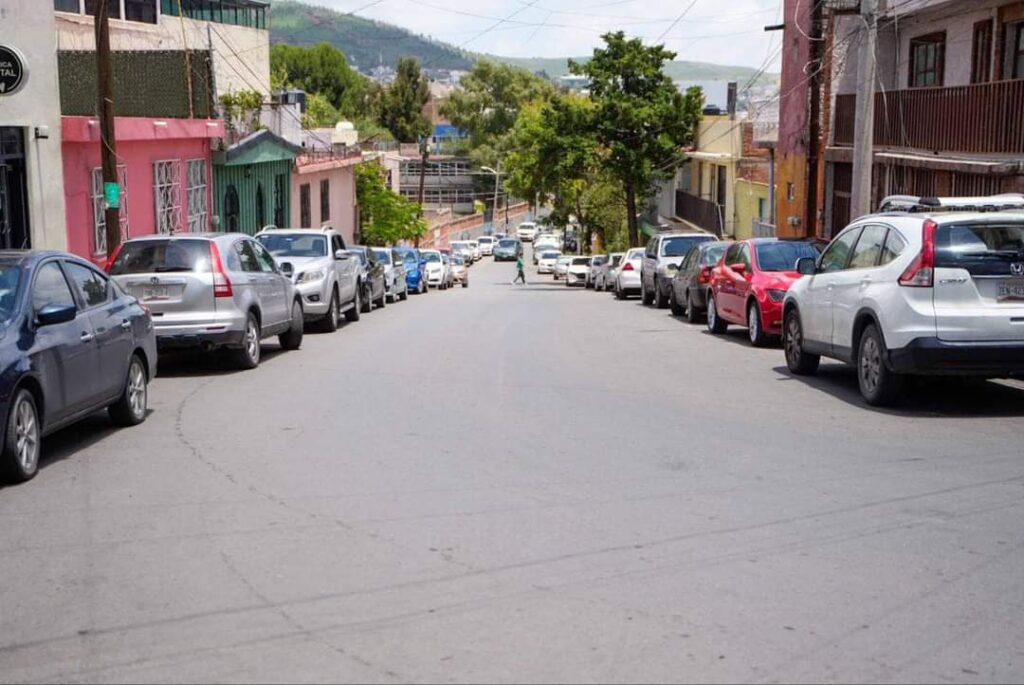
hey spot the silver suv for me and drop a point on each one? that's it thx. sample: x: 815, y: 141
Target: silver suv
x: 323, y: 270
x: 664, y: 254
x: 211, y: 290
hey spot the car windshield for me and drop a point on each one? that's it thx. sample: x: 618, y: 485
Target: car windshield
x: 383, y: 255
x: 298, y: 245
x: 458, y: 261
x: 485, y: 241
x: 782, y: 256
x: 677, y: 247
x: 508, y: 243
x: 580, y: 261
x: 10, y: 277
x: 635, y: 254
x: 431, y: 257
x: 982, y: 249
x: 550, y: 255
x: 182, y: 255
x: 408, y: 256
x: 616, y: 258
x: 713, y: 254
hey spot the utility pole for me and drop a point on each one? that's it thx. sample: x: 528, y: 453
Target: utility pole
x: 424, y: 153
x: 497, y: 180
x: 864, y: 123
x: 814, y: 153
x: 108, y: 144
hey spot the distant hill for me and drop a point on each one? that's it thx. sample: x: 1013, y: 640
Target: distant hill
x: 366, y: 43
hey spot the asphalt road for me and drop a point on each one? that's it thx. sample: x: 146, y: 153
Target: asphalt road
x: 522, y: 484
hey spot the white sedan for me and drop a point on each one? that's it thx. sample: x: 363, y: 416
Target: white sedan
x: 547, y: 261
x: 562, y: 266
x: 579, y: 267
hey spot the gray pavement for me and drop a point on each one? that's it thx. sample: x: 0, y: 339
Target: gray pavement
x: 522, y: 484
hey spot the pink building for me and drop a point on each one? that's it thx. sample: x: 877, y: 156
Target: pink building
x: 324, y: 191
x: 165, y: 175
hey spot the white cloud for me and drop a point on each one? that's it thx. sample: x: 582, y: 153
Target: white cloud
x: 561, y: 28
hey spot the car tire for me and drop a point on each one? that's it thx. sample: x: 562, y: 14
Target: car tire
x: 677, y: 309
x: 405, y: 294
x: 716, y: 324
x: 692, y: 315
x: 659, y: 295
x: 365, y: 304
x: 755, y: 327
x: 130, y: 408
x: 292, y: 338
x: 879, y: 385
x: 799, y: 362
x: 646, y: 298
x: 19, y: 460
x: 330, y: 323
x: 248, y: 357
x: 382, y: 301
x: 465, y: 283
x: 355, y: 311
x: 619, y: 292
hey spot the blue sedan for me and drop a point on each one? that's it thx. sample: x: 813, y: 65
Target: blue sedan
x: 71, y: 342
x: 414, y: 274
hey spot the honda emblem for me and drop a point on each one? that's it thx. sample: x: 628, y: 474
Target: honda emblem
x: 1017, y: 268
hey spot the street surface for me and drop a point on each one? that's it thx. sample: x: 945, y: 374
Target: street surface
x: 522, y: 484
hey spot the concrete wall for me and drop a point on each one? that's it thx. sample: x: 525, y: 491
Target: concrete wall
x: 747, y: 195
x: 342, y: 200
x: 28, y: 26
x: 241, y: 55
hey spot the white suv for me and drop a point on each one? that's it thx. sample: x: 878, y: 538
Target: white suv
x: 934, y: 287
x: 526, y: 231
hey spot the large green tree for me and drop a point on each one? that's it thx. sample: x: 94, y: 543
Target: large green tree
x: 401, y: 103
x: 385, y: 217
x: 323, y: 69
x: 641, y: 120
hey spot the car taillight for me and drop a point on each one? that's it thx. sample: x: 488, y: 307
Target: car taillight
x: 705, y: 275
x: 627, y: 267
x: 221, y: 282
x: 921, y: 272
x: 113, y: 258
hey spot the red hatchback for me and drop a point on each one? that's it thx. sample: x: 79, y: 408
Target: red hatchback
x: 749, y: 283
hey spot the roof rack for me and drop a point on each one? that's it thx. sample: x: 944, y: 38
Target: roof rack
x: 913, y: 203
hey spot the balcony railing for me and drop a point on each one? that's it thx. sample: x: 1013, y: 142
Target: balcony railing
x: 760, y: 228
x: 982, y: 118
x: 703, y: 213
x: 339, y: 153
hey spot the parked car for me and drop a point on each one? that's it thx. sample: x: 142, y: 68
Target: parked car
x: 596, y: 263
x: 415, y: 280
x: 508, y: 250
x: 526, y: 231
x: 462, y: 248
x: 576, y: 273
x: 433, y: 269
x: 627, y: 279
x: 477, y: 251
x: 322, y: 269
x: 449, y: 279
x: 936, y: 290
x: 72, y: 342
x: 546, y: 263
x: 606, y: 275
x: 661, y: 261
x: 750, y: 282
x: 460, y: 273
x: 561, y: 267
x: 375, y: 292
x: 688, y: 295
x: 486, y: 244
x: 544, y: 244
x: 395, y: 283
x: 211, y: 290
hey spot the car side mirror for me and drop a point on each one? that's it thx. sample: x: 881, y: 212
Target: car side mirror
x: 806, y: 266
x: 287, y: 269
x: 56, y: 313
x: 738, y: 267
x: 342, y: 255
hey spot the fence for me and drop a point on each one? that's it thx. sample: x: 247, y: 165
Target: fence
x: 762, y: 229
x: 439, y: 235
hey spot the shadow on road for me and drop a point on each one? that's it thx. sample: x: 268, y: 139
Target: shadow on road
x: 923, y: 397
x: 194, y: 363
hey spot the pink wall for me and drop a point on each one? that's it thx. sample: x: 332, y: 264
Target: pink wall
x: 794, y: 85
x: 342, y: 199
x: 140, y: 143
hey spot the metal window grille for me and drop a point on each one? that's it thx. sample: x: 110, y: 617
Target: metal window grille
x: 197, y: 195
x: 167, y: 189
x: 325, y: 200
x: 305, y: 218
x: 99, y: 206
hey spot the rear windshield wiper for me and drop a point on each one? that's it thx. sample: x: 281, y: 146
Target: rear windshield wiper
x: 172, y: 269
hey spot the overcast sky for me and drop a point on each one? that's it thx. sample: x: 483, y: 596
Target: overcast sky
x: 720, y: 31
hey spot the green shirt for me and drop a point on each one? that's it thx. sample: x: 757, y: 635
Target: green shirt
x: 519, y: 263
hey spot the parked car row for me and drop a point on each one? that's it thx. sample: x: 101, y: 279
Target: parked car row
x: 926, y: 287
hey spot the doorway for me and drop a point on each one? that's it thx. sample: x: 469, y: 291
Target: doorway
x: 14, y: 227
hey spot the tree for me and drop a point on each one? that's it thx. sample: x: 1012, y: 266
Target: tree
x: 385, y: 217
x: 402, y: 103
x: 320, y: 113
x: 641, y: 121
x: 322, y: 69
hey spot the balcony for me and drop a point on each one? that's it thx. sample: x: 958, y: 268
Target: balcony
x: 982, y: 119
x: 702, y: 213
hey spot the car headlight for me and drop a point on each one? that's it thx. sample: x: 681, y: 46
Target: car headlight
x: 312, y: 276
x: 776, y: 295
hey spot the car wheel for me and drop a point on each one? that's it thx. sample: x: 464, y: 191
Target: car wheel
x: 130, y: 408
x: 366, y: 304
x: 619, y: 292
x: 715, y: 323
x: 878, y: 384
x: 248, y: 357
x: 382, y: 301
x: 329, y: 323
x: 755, y: 327
x: 465, y: 283
x: 799, y: 362
x: 355, y: 312
x: 677, y: 309
x: 659, y: 295
x: 645, y: 298
x: 692, y: 315
x: 292, y: 339
x: 405, y: 294
x: 20, y: 457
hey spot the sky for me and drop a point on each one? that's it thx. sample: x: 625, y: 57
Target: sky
x: 720, y: 31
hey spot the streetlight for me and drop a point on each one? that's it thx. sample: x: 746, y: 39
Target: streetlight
x: 497, y: 179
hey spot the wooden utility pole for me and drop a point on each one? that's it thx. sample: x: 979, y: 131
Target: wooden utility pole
x: 814, y: 147
x: 108, y: 144
x: 424, y: 153
x: 864, y: 123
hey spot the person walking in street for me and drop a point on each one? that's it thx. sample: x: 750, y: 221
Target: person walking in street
x: 520, y: 276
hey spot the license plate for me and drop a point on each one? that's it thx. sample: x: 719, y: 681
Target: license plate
x: 1011, y: 290
x: 154, y: 292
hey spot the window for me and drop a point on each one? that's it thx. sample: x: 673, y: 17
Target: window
x: 67, y: 6
x: 163, y: 255
x: 869, y: 248
x: 981, y: 52
x: 337, y: 243
x: 837, y: 254
x: 744, y: 256
x: 267, y: 264
x: 196, y: 192
x: 232, y: 210
x: 99, y: 206
x: 762, y: 208
x: 261, y: 207
x: 247, y: 256
x: 783, y: 255
x: 51, y: 287
x: 92, y: 5
x: 927, y: 60
x: 95, y: 289
x: 305, y: 211
x: 325, y: 200
x: 652, y: 248
x: 732, y: 254
x: 140, y: 10
x: 894, y: 246
x: 167, y: 189
x: 1017, y: 50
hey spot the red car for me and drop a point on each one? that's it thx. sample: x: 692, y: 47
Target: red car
x: 749, y: 283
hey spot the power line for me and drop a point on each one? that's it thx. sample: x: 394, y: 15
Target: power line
x: 676, y: 21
